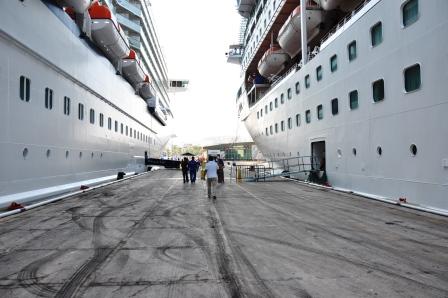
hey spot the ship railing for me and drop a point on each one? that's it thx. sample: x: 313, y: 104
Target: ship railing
x: 344, y: 21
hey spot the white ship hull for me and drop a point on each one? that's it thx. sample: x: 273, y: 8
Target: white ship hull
x: 40, y: 147
x: 351, y: 138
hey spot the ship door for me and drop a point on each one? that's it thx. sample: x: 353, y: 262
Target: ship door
x: 318, y: 153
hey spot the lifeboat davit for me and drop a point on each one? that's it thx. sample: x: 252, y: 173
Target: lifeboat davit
x: 272, y: 62
x: 146, y: 90
x: 132, y: 70
x: 344, y: 5
x: 79, y: 6
x: 107, y: 34
x: 289, y: 35
x: 245, y: 7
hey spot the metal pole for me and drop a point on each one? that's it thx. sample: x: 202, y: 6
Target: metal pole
x: 303, y: 31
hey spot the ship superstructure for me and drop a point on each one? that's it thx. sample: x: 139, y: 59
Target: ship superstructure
x: 81, y: 100
x: 365, y: 96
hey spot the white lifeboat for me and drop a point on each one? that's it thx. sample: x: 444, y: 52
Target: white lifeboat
x: 289, y: 35
x: 146, y: 90
x: 272, y: 62
x: 245, y: 7
x: 344, y: 5
x: 132, y: 70
x: 155, y: 109
x: 79, y: 6
x: 107, y: 34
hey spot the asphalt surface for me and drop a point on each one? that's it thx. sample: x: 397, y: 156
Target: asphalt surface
x: 154, y: 236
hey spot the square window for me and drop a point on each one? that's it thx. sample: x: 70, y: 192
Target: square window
x: 276, y: 102
x: 378, y: 90
x: 353, y: 99
x: 319, y: 73
x: 334, y: 63
x: 410, y: 12
x: 334, y: 106
x: 376, y: 34
x: 307, y: 81
x: 320, y: 112
x: 352, y: 51
x: 298, y: 120
x: 412, y: 79
x: 289, y: 93
x: 297, y: 87
x: 308, y: 116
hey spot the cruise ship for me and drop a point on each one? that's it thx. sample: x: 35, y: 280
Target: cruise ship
x: 84, y: 94
x: 356, y: 85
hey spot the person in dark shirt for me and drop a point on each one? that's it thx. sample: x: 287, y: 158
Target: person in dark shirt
x: 220, y: 162
x: 192, y: 167
x: 184, y: 166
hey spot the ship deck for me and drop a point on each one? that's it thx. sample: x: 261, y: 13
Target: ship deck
x: 154, y: 236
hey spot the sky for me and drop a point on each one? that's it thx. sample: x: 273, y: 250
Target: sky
x: 194, y: 36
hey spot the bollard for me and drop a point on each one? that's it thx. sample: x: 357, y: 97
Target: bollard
x: 238, y: 174
x: 120, y: 175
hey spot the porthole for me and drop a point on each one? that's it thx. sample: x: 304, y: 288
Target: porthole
x: 67, y: 154
x: 354, y: 151
x: 48, y: 153
x: 25, y: 153
x: 339, y: 153
x: 413, y: 149
x: 379, y: 150
x: 80, y: 154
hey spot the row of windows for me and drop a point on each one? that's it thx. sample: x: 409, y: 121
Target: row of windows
x: 24, y: 93
x: 49, y: 153
x: 412, y: 82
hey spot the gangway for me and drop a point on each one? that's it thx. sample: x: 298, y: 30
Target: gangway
x: 285, y: 167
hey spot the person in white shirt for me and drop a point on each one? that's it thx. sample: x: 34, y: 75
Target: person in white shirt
x: 211, y: 170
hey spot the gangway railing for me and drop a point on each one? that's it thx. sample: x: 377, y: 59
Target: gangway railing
x: 283, y: 167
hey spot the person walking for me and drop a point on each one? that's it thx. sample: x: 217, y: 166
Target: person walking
x: 192, y: 167
x: 211, y: 170
x: 220, y: 169
x: 184, y: 166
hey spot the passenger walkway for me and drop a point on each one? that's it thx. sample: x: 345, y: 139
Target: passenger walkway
x: 154, y: 236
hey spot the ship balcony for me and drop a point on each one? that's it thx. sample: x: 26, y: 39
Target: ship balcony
x: 235, y: 54
x: 134, y: 42
x: 132, y: 25
x: 133, y: 8
x: 256, y: 93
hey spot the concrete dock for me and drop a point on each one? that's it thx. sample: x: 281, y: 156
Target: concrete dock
x: 154, y: 236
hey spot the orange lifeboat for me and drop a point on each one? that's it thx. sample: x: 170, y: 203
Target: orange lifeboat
x: 107, y: 34
x: 272, y: 62
x: 289, y: 35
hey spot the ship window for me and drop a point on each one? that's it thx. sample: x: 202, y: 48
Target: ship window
x: 376, y: 34
x: 266, y: 109
x: 297, y: 87
x: 334, y: 106
x: 298, y: 120
x: 109, y: 123
x: 307, y: 81
x: 135, y: 134
x: 127, y: 130
x: 379, y: 150
x: 282, y: 98
x: 378, y: 90
x: 121, y: 128
x: 320, y: 112
x: 276, y: 127
x: 308, y: 116
x: 276, y: 102
x: 413, y: 149
x: 130, y: 132
x: 116, y: 126
x: 266, y: 131
x: 412, y: 80
x: 270, y: 129
x: 101, y: 120
x: 289, y: 123
x: 25, y: 85
x: 352, y: 51
x: 334, y: 63
x: 92, y: 116
x: 319, y: 73
x: 282, y: 125
x: 261, y: 113
x: 270, y: 106
x: 353, y: 99
x: 258, y: 114
x: 48, y: 98
x: 66, y: 105
x: 410, y: 12
x: 80, y: 111
x: 289, y: 93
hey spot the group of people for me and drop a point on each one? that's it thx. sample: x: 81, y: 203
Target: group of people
x: 213, y: 170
